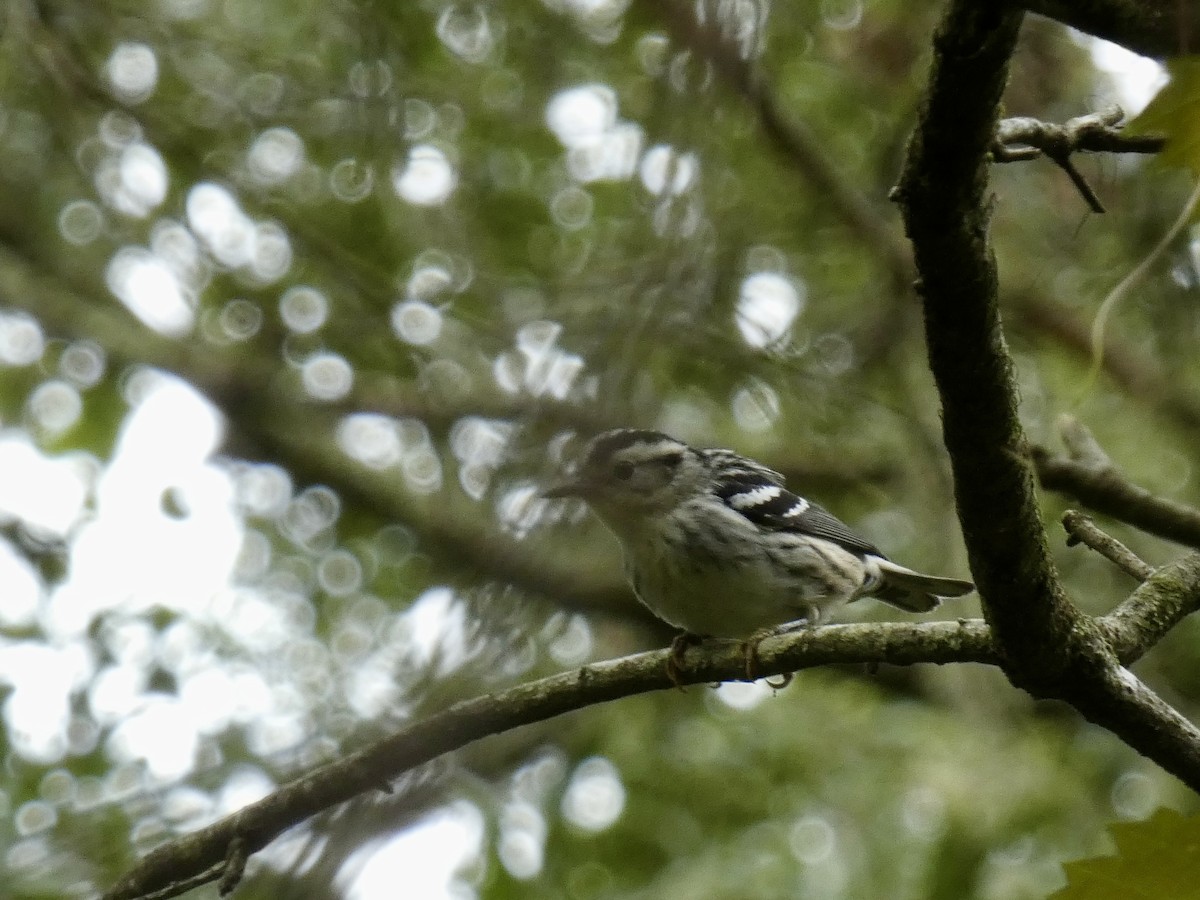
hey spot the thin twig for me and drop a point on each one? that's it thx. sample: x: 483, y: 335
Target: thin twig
x: 1082, y: 530
x: 1094, y: 133
x: 184, y: 885
x: 1021, y: 139
x: 235, y: 866
x: 1081, y: 184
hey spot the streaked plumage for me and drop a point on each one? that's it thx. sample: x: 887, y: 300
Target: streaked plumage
x: 715, y: 544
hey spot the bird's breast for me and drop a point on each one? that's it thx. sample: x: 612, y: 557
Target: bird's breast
x: 698, y: 586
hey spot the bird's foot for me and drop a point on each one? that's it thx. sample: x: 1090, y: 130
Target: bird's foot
x: 679, y: 646
x: 750, y: 646
x: 752, y: 662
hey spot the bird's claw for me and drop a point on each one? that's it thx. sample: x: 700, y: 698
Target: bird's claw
x: 750, y: 654
x: 679, y: 646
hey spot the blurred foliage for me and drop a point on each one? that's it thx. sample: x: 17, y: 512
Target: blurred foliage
x: 409, y: 254
x: 1157, y: 858
x: 1172, y: 112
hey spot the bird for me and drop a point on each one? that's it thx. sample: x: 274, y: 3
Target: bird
x: 715, y: 545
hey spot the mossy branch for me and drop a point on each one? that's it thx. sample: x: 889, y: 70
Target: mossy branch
x: 1047, y: 646
x: 201, y: 853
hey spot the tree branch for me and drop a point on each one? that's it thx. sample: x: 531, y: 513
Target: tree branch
x: 1107, y: 491
x: 1158, y: 605
x: 1094, y: 133
x: 1157, y: 28
x: 1082, y: 530
x: 1018, y: 140
x: 1167, y: 594
x: 1114, y: 698
x: 1048, y: 647
x: 942, y: 197
x: 179, y: 861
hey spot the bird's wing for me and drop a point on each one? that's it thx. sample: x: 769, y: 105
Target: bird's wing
x: 768, y: 504
x: 735, y: 467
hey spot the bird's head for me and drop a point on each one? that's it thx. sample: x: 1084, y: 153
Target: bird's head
x: 628, y: 475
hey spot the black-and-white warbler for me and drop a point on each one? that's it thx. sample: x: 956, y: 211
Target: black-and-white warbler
x: 715, y: 545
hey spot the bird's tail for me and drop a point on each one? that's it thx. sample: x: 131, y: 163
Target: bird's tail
x: 906, y: 589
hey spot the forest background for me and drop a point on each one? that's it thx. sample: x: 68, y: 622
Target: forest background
x: 301, y: 305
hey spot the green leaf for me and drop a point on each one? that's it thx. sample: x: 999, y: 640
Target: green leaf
x: 1175, y: 112
x: 1158, y: 859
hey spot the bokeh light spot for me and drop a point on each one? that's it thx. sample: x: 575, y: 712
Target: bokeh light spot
x: 327, y: 376
x: 151, y: 290
x: 813, y: 839
x: 767, y: 306
x: 466, y: 31
x: 351, y: 180
x: 21, y: 340
x: 303, y: 309
x: 55, y: 406
x: 34, y: 816
x: 339, y: 573
x: 371, y: 439
x: 427, y: 178
x: 240, y: 319
x: 595, y: 796
x: 132, y: 71
x: 756, y: 406
x: 416, y: 322
x: 580, y: 115
x: 275, y: 155
x: 80, y: 222
x: 663, y: 170
x: 134, y: 181
x: 82, y: 363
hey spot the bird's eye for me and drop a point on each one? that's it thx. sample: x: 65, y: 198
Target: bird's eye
x: 623, y: 471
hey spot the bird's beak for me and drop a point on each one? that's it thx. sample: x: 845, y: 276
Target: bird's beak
x: 567, y: 489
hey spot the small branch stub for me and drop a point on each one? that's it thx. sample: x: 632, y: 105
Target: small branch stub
x: 1021, y: 139
x: 1082, y: 530
x: 235, y: 866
